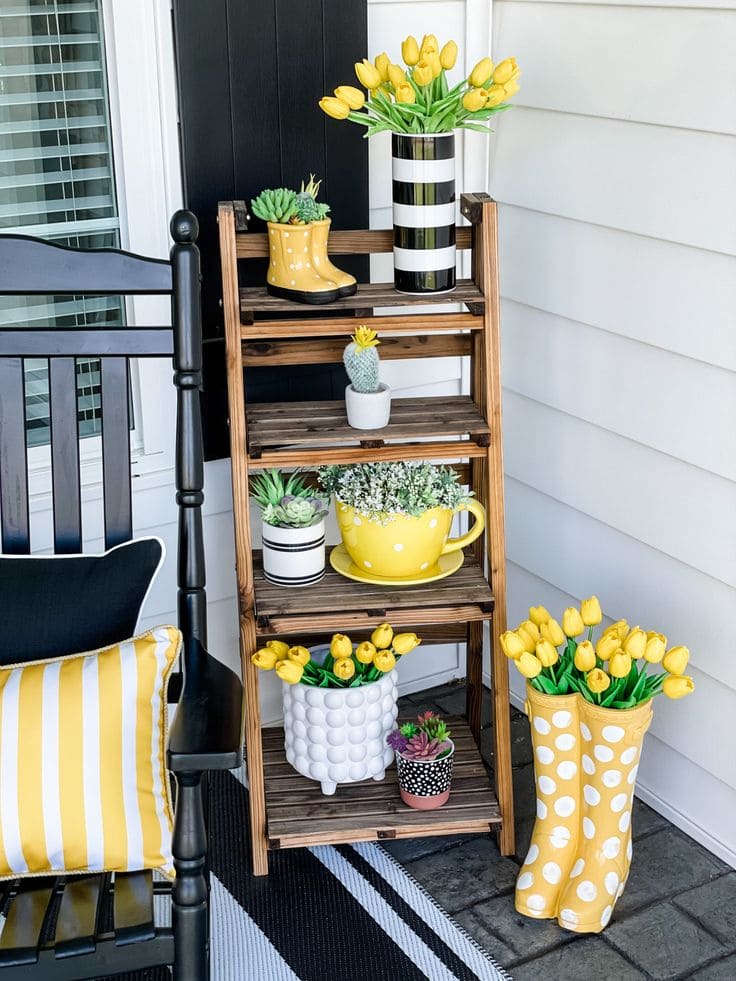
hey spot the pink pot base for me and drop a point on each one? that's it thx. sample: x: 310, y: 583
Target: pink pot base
x: 424, y: 803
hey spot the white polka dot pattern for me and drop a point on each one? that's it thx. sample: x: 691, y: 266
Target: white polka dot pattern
x: 603, y: 753
x: 525, y: 881
x: 561, y: 720
x: 531, y: 855
x: 564, y: 806
x: 552, y: 873
x: 565, y: 742
x: 588, y: 828
x: 587, y: 891
x: 541, y: 725
x: 567, y: 770
x: 588, y: 764
x: 611, y: 778
x: 591, y: 795
x: 547, y: 785
x: 545, y: 755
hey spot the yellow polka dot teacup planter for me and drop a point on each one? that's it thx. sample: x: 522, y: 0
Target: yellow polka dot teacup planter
x: 589, y: 708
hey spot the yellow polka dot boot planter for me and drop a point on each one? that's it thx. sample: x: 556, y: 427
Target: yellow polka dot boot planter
x: 299, y: 268
x: 339, y: 704
x: 395, y: 520
x: 589, y: 707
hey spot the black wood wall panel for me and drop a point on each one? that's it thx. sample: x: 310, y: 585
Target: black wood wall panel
x: 250, y: 74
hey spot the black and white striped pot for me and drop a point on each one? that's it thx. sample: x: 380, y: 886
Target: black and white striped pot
x: 294, y: 556
x: 424, y: 212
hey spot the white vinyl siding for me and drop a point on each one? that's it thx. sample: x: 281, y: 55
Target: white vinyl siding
x: 616, y: 176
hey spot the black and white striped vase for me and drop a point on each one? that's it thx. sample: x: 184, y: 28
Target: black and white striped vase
x: 294, y: 556
x: 424, y: 212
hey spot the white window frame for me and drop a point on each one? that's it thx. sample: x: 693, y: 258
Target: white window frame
x: 141, y: 77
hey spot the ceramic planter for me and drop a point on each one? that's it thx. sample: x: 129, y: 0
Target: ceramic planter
x: 338, y: 735
x: 425, y: 784
x: 405, y: 546
x: 585, y: 763
x: 368, y: 410
x: 294, y: 556
x: 423, y: 168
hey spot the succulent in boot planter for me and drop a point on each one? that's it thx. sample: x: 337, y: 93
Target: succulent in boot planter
x: 308, y: 209
x: 367, y: 400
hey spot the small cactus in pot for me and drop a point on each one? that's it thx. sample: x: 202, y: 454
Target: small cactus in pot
x: 367, y: 399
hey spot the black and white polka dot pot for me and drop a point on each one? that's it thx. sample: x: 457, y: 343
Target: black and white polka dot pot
x: 425, y: 784
x: 423, y: 169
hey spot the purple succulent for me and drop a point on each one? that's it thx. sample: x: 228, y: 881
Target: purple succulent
x: 397, y: 741
x: 421, y: 747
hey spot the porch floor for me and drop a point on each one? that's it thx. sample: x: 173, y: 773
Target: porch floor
x: 676, y: 920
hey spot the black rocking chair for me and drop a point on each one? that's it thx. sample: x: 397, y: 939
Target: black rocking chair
x: 92, y: 927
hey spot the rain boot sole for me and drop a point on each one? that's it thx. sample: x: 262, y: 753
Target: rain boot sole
x: 305, y: 296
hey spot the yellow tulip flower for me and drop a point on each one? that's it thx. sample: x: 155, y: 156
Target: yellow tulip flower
x: 289, y: 671
x: 405, y: 94
x: 528, y: 665
x: 590, y: 611
x: 553, y: 632
x: 527, y: 640
x: 348, y: 93
x: 384, y: 661
x: 620, y: 628
x: 396, y: 75
x: 382, y: 90
x: 656, y: 646
x: 538, y: 615
x: 675, y: 660
x: 475, y: 99
x: 382, y: 62
x: 481, y: 73
x: 334, y: 107
x: 619, y: 664
x: 299, y: 654
x: 532, y: 629
x: 280, y: 648
x: 511, y: 644
x: 506, y: 71
x: 365, y: 652
x: 265, y: 659
x: 423, y: 73
x: 635, y: 643
x: 341, y: 646
x: 585, y: 659
x: 368, y: 75
x: 678, y: 685
x: 430, y: 45
x: 403, y: 643
x: 344, y: 668
x: 410, y: 50
x: 510, y: 89
x: 597, y: 680
x: 448, y: 55
x: 572, y: 622
x: 383, y: 635
x: 607, y: 645
x: 547, y: 654
x: 496, y: 95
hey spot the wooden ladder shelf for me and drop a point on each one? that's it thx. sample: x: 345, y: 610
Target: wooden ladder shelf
x: 286, y: 809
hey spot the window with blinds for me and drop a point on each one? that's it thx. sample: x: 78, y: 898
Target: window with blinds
x: 56, y: 172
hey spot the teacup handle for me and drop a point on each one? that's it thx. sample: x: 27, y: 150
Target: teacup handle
x: 476, y: 529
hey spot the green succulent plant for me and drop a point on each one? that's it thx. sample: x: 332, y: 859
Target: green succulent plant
x: 287, y: 501
x: 307, y: 207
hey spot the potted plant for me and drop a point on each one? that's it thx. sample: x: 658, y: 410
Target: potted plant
x: 367, y: 400
x: 395, y: 518
x: 589, y: 706
x: 424, y: 758
x: 339, y: 704
x: 293, y: 528
x: 299, y: 267
x: 422, y: 110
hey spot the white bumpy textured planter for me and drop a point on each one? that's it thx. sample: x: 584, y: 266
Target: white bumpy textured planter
x: 294, y: 556
x: 338, y: 735
x: 368, y: 410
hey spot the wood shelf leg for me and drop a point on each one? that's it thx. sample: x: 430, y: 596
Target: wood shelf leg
x: 474, y: 679
x: 254, y: 755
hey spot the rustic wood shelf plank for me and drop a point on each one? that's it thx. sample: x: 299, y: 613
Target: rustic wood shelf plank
x: 439, y: 451
x: 255, y: 299
x: 461, y: 597
x: 362, y: 241
x: 319, y: 326
x: 258, y: 354
x: 298, y: 814
x: 273, y: 426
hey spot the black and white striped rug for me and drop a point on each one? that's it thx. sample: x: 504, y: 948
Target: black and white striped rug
x: 347, y: 913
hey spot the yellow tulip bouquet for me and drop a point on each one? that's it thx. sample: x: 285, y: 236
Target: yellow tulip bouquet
x: 612, y: 673
x: 346, y: 665
x: 419, y: 99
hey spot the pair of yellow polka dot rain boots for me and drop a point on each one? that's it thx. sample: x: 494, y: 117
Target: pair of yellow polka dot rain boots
x: 585, y: 760
x: 299, y: 268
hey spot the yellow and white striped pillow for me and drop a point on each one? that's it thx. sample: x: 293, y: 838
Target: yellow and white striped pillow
x: 83, y: 782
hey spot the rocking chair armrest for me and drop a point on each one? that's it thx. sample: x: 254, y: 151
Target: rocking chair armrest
x: 207, y: 731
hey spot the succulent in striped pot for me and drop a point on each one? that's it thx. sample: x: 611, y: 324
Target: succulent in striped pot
x: 422, y: 109
x: 293, y: 534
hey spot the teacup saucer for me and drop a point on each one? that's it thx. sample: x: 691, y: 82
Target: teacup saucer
x: 445, y: 566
